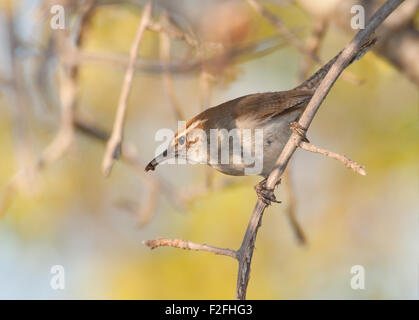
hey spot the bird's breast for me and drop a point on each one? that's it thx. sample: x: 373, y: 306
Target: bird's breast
x: 253, y: 150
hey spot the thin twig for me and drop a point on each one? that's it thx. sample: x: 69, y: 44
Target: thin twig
x: 20, y: 106
x: 188, y: 245
x: 313, y: 46
x: 172, y: 31
x: 129, y: 154
x: 68, y: 86
x: 145, y: 212
x: 113, y: 148
x: 346, y: 161
x: 293, y: 40
x: 252, y: 50
x: 291, y: 208
x: 167, y: 76
x: 282, y: 29
x: 399, y: 36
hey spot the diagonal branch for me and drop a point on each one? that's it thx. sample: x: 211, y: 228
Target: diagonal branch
x: 113, y: 147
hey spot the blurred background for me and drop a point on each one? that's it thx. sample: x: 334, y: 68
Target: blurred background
x: 59, y: 91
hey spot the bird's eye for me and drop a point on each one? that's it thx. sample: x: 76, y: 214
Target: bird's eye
x: 181, y: 140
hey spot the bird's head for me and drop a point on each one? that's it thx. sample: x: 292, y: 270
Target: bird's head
x: 188, y: 144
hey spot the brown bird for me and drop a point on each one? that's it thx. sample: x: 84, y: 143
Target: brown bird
x: 258, y: 124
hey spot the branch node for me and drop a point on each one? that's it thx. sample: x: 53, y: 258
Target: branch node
x: 299, y: 130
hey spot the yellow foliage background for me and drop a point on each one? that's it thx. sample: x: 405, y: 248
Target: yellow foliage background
x: 69, y: 216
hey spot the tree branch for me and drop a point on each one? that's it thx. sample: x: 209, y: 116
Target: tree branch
x: 129, y: 154
x: 293, y: 40
x: 399, y: 39
x: 113, y: 147
x: 188, y: 245
x: 291, y: 209
x: 313, y: 45
x: 165, y: 45
x: 346, y: 161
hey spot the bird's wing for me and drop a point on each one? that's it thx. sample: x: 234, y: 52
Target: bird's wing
x: 263, y: 107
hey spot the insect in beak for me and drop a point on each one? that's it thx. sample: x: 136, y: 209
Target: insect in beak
x: 156, y: 161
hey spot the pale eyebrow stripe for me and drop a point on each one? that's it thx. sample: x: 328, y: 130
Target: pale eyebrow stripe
x: 192, y: 126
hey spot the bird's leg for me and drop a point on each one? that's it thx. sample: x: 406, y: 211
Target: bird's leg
x: 265, y: 195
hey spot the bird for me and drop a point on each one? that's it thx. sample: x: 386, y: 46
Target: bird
x: 259, y: 122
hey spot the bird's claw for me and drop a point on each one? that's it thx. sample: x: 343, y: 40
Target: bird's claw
x: 265, y: 195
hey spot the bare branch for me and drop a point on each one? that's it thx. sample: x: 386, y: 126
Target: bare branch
x: 143, y: 212
x: 170, y: 30
x: 67, y: 87
x: 188, y: 245
x: 346, y: 161
x: 167, y: 76
x: 291, y: 208
x: 252, y: 50
x: 113, y: 148
x: 399, y: 37
x: 18, y: 97
x: 313, y: 46
x: 293, y: 40
x: 282, y: 29
x: 129, y: 154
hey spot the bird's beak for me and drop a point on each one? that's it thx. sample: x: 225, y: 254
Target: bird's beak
x: 156, y: 161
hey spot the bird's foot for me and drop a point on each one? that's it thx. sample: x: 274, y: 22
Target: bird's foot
x: 265, y: 195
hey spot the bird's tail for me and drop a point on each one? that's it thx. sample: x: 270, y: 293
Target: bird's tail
x: 314, y: 81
